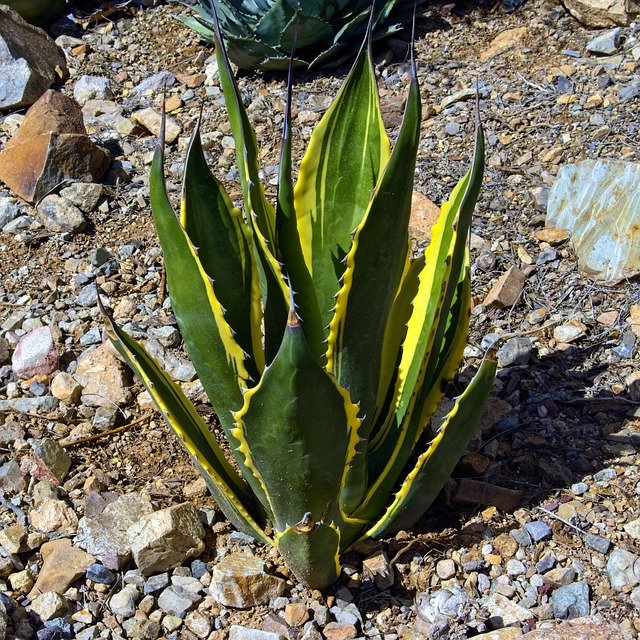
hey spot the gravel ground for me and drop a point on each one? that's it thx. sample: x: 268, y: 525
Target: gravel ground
x: 540, y: 522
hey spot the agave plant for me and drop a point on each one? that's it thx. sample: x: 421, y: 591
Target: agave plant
x: 260, y: 34
x: 38, y: 11
x: 323, y: 346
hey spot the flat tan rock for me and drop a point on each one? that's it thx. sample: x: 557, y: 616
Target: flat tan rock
x: 239, y: 580
x: 603, y: 13
x: 151, y: 120
x: 581, y: 629
x: 104, y: 378
x: 552, y: 236
x: 63, y: 565
x: 505, y: 41
x: 501, y: 634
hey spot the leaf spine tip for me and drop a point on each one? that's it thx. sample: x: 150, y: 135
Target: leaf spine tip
x: 293, y: 320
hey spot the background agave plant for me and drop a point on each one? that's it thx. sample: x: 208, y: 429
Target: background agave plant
x: 260, y: 33
x: 38, y: 11
x: 322, y: 345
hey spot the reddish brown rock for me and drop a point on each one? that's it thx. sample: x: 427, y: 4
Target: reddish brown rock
x: 50, y: 146
x: 474, y: 492
x: 506, y: 291
x: 51, y: 461
x: 424, y: 214
x: 495, y: 410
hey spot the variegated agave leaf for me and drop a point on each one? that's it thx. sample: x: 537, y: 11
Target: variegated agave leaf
x: 323, y: 346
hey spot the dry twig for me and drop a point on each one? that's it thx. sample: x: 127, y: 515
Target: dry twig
x: 104, y: 434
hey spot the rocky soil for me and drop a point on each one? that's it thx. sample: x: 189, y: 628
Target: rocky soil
x: 105, y: 528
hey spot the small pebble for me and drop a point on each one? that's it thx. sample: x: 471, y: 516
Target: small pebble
x: 598, y: 543
x: 538, y: 530
x: 515, y: 568
x: 605, y: 474
x: 452, y: 128
x: 100, y: 574
x: 446, y: 569
x: 579, y: 488
x: 156, y: 582
x: 546, y: 563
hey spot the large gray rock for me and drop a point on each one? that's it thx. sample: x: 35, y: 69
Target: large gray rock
x: 91, y: 88
x: 165, y: 539
x: 44, y: 404
x: 623, y: 569
x: 598, y: 201
x: 123, y: 603
x: 606, y: 43
x: 155, y: 84
x: 571, y: 601
x: 105, y: 535
x: 603, y: 13
x: 59, y: 215
x: 176, y: 601
x: 28, y: 61
x: 4, y: 620
x: 84, y: 195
